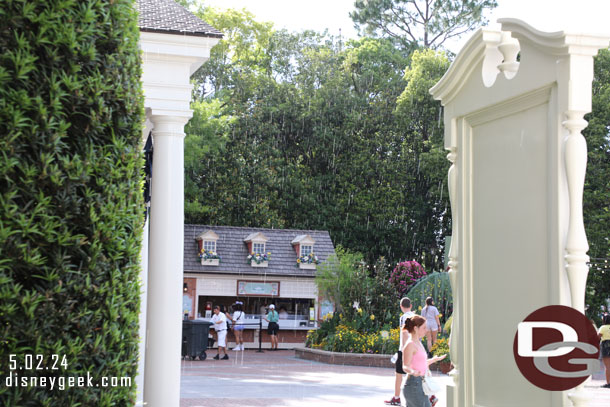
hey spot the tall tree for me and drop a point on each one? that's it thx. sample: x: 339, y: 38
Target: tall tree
x: 419, y: 23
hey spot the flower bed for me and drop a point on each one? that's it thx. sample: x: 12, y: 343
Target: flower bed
x: 440, y: 348
x: 337, y: 335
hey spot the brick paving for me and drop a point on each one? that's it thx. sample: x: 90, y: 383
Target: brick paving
x: 279, y: 379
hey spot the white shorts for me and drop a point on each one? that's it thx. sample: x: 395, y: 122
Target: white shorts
x: 222, y: 338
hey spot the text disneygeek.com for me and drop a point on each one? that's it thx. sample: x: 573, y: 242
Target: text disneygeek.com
x: 20, y: 365
x: 63, y: 382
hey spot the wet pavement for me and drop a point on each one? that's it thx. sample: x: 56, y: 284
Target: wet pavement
x: 278, y: 379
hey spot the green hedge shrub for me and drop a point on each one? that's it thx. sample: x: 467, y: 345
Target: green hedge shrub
x: 71, y: 207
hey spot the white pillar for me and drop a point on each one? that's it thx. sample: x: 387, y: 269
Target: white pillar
x: 143, y: 287
x: 164, y: 324
x: 142, y: 329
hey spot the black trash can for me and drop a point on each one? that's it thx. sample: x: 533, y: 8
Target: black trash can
x: 195, y: 339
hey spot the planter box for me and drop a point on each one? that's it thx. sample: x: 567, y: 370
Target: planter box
x: 210, y: 262
x: 337, y: 358
x: 307, y: 266
x: 443, y: 367
x: 261, y: 264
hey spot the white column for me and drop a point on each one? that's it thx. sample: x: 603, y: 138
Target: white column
x: 164, y: 324
x: 143, y: 287
x: 142, y: 330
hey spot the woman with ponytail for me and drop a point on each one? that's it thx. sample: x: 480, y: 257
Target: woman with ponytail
x: 415, y: 362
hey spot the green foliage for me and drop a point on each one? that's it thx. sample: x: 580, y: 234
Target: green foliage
x: 205, y: 137
x: 419, y: 23
x: 435, y: 285
x: 316, y: 143
x: 447, y: 326
x: 70, y: 195
x: 344, y: 280
x: 440, y: 348
x: 310, y: 132
x: 596, y: 201
x: 338, y: 334
x: 364, y: 298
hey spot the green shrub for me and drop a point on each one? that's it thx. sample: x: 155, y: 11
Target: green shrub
x: 440, y: 348
x: 70, y: 196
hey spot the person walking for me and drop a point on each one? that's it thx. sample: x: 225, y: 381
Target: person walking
x: 431, y: 314
x: 405, y: 307
x: 219, y: 319
x: 273, y: 328
x: 415, y: 363
x: 604, y: 336
x: 238, y: 325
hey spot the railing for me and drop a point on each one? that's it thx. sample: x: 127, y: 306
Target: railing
x: 257, y: 323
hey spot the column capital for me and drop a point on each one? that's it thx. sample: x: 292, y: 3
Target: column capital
x: 167, y: 123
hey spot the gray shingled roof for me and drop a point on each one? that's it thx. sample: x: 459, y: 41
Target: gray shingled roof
x: 233, y: 251
x: 169, y: 17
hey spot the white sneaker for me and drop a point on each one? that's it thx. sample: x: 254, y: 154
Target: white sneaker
x: 238, y: 347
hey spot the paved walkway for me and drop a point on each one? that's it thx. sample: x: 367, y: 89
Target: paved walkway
x: 279, y: 379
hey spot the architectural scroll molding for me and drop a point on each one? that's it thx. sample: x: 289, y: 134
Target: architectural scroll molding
x: 453, y: 265
x: 518, y: 162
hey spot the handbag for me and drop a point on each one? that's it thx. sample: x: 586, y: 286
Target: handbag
x: 430, y: 385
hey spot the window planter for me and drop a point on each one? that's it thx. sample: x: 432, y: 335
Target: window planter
x: 210, y: 262
x: 259, y: 260
x: 307, y: 266
x: 308, y: 261
x: 209, y: 258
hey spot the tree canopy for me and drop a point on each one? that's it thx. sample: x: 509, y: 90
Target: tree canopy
x: 305, y: 130
x: 419, y: 23
x: 312, y: 137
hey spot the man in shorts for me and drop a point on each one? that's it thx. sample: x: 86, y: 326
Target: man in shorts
x: 405, y: 307
x: 219, y: 319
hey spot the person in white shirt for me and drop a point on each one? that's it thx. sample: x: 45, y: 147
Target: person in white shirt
x: 238, y: 325
x: 430, y: 312
x: 405, y: 307
x: 219, y: 320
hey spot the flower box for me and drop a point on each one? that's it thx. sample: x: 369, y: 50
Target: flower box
x: 308, y: 261
x: 259, y: 260
x: 307, y: 266
x: 209, y: 258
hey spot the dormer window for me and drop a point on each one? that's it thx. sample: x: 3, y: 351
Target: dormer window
x: 207, y: 248
x: 258, y: 256
x: 258, y: 248
x: 304, y: 248
x: 209, y: 245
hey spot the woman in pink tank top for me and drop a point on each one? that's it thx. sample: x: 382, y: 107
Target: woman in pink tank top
x: 415, y: 362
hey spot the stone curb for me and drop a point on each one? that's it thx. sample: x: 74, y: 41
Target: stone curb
x: 339, y: 358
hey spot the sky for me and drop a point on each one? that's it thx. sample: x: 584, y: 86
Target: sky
x: 586, y: 16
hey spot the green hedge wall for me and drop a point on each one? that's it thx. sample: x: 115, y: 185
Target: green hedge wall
x: 71, y: 209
